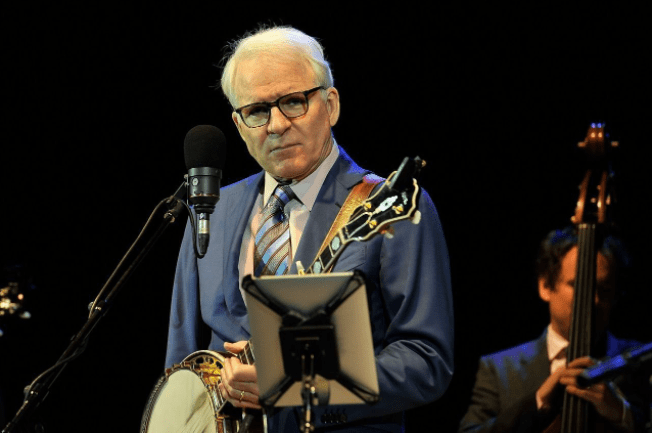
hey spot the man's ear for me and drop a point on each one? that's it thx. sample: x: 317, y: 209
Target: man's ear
x: 333, y: 105
x: 544, y: 290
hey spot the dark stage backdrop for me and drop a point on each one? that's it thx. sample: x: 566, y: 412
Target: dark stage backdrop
x: 97, y: 101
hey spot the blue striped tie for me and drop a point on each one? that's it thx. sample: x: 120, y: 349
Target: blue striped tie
x: 272, y: 252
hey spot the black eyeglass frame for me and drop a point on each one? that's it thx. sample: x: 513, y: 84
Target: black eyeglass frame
x: 270, y: 105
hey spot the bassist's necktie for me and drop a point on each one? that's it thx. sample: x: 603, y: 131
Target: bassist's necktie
x: 272, y: 252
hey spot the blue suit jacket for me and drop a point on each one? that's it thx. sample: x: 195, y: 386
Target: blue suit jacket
x: 408, y: 284
x: 503, y: 398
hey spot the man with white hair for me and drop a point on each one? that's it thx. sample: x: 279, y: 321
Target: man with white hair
x: 284, y: 106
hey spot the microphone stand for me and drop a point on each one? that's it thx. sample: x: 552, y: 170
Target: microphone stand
x: 38, y: 390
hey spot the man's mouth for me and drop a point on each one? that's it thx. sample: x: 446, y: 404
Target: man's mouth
x: 283, y: 147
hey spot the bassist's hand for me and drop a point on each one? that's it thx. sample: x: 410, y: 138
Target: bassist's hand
x: 548, y: 390
x: 601, y: 396
x: 239, y: 381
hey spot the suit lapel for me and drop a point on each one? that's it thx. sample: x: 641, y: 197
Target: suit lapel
x: 240, y: 207
x: 336, y: 187
x: 536, y: 364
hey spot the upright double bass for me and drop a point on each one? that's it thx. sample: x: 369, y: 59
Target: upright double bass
x: 592, y: 217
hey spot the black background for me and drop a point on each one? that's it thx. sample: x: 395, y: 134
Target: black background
x: 97, y: 101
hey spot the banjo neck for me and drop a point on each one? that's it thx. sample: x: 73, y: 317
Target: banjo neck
x: 246, y: 356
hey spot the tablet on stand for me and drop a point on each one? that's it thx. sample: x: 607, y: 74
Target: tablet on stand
x: 311, y: 338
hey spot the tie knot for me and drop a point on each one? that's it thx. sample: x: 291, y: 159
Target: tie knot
x: 281, y: 196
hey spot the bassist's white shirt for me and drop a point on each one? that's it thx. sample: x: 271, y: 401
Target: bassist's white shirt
x: 556, y: 349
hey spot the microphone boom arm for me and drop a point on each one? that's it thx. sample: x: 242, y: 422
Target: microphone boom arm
x: 38, y: 390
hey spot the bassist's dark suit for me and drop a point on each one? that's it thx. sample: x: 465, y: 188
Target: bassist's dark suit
x: 503, y: 398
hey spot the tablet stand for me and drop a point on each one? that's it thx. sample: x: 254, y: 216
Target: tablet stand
x: 297, y: 317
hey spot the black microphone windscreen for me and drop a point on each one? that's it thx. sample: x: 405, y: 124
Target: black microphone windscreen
x: 204, y: 146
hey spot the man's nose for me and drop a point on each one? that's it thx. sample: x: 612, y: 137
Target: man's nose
x: 278, y: 123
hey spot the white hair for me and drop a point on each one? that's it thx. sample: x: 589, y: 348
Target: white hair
x: 284, y: 42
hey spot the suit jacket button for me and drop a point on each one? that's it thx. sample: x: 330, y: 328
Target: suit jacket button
x: 343, y: 418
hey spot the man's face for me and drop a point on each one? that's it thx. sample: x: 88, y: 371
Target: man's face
x: 560, y: 297
x: 285, y: 148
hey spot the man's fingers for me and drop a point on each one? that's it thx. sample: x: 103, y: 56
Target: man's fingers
x: 605, y: 403
x: 239, y: 384
x: 239, y: 398
x: 581, y: 362
x: 237, y: 377
x: 235, y: 371
x: 235, y: 347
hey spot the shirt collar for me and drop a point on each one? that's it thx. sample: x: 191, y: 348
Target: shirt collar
x: 556, y: 343
x: 307, y: 189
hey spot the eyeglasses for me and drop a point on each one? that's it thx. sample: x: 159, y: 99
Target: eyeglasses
x: 292, y: 105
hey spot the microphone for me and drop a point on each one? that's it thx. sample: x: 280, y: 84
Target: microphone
x: 616, y: 366
x: 204, y: 150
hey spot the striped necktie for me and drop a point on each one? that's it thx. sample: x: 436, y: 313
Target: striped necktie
x: 272, y: 252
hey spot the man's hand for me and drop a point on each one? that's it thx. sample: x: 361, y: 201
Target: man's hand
x: 601, y: 395
x: 239, y: 381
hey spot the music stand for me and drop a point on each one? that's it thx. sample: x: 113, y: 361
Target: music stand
x: 311, y: 338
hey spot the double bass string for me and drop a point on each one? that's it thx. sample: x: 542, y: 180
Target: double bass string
x: 580, y: 337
